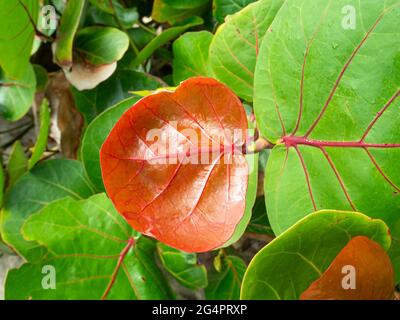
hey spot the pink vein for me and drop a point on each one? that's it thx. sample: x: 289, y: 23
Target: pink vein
x: 124, y: 252
x: 381, y: 171
x: 307, y: 177
x: 379, y: 114
x: 346, y: 66
x: 338, y: 177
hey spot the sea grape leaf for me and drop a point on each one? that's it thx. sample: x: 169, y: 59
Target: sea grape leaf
x: 225, y: 284
x: 163, y: 12
x: 41, y: 77
x: 235, y: 46
x: 17, y: 163
x: 191, y: 56
x: 101, y: 45
x: 112, y: 13
x: 183, y: 266
x: 45, y: 183
x: 367, y: 262
x: 16, y: 94
x: 41, y: 142
x: 94, y: 253
x: 17, y: 33
x: 146, y: 177
x: 163, y: 38
x: 223, y: 8
x: 287, y: 266
x: 93, y: 102
x: 66, y: 32
x: 95, y: 135
x: 334, y: 119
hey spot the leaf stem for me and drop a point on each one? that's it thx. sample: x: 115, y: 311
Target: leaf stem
x: 122, y: 255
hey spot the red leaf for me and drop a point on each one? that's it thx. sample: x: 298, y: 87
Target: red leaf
x: 191, y: 206
x: 372, y: 270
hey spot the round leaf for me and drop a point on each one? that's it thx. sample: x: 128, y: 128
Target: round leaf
x: 188, y: 194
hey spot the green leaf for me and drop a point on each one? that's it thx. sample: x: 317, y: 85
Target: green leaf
x: 252, y: 160
x: 41, y: 142
x: 66, y: 32
x: 94, y: 137
x: 17, y: 164
x: 45, y: 183
x: 16, y: 94
x: 101, y: 45
x: 163, y: 38
x: 334, y: 117
x: 259, y: 220
x: 191, y: 56
x: 17, y: 33
x: 94, y: 253
x: 234, y: 49
x: 183, y: 266
x: 225, y: 285
x: 93, y: 102
x: 223, y: 8
x: 173, y: 11
x: 112, y: 13
x: 287, y: 266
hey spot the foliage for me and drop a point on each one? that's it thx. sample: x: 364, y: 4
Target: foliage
x: 212, y: 149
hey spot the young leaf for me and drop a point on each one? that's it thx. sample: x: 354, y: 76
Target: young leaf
x: 45, y: 183
x: 17, y: 21
x: 234, y: 49
x: 334, y: 118
x: 188, y: 194
x: 93, y: 253
x: 91, y: 103
x: 41, y: 141
x: 66, y: 32
x: 363, y: 262
x: 101, y: 45
x: 287, y: 266
x: 95, y: 135
x: 183, y: 266
x: 16, y: 94
x: 223, y: 8
x: 191, y: 56
x: 17, y: 164
x: 225, y: 284
x: 163, y: 38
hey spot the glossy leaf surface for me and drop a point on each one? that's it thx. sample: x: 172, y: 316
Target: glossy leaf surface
x: 288, y: 265
x: 367, y: 263
x: 223, y: 8
x: 183, y: 266
x: 47, y: 182
x: 235, y: 47
x: 335, y: 119
x: 94, y: 137
x: 147, y: 177
x: 191, y: 56
x: 94, y: 252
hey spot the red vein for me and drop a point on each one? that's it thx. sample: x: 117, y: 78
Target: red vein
x: 339, y: 178
x: 379, y: 114
x: 307, y: 177
x: 346, y: 66
x: 290, y: 141
x: 377, y: 166
x: 124, y: 252
x: 303, y: 68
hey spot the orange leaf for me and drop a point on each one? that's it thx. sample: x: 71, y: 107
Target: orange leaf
x: 361, y: 271
x: 173, y: 165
